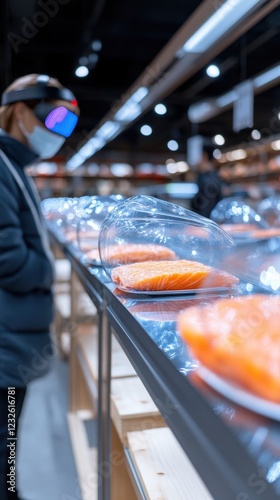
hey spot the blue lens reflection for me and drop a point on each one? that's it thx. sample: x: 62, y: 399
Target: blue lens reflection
x: 61, y: 121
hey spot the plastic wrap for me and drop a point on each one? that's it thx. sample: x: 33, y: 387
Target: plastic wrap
x: 59, y: 212
x: 89, y: 224
x: 52, y: 208
x: 237, y: 339
x: 269, y: 209
x: 160, y: 310
x: 70, y: 217
x: 258, y: 264
x: 64, y: 215
x: 239, y: 219
x: 150, y: 245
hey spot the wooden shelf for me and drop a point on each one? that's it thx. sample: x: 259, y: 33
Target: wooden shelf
x: 132, y: 408
x: 85, y: 456
x: 164, y: 470
x: 88, y: 343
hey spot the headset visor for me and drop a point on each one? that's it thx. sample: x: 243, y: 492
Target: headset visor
x: 57, y: 119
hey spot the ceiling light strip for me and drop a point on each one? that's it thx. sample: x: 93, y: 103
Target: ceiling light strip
x: 178, y: 72
x: 204, y: 110
x: 221, y: 21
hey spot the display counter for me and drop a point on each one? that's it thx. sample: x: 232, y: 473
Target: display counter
x: 235, y: 450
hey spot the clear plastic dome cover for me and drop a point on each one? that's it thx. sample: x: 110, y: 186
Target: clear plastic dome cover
x: 257, y: 264
x: 65, y: 213
x: 269, y: 209
x: 237, y: 345
x: 71, y: 215
x: 172, y: 246
x: 237, y: 218
x: 51, y: 208
x: 90, y: 222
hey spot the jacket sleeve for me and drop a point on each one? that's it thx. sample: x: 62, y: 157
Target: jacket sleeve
x: 22, y: 269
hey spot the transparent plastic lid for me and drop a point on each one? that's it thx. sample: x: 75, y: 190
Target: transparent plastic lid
x: 257, y: 264
x: 71, y: 214
x: 236, y: 341
x: 237, y: 218
x: 150, y: 245
x: 89, y: 224
x: 269, y: 210
x: 64, y: 214
x: 51, y: 208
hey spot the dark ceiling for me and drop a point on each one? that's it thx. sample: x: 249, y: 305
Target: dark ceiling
x: 50, y: 36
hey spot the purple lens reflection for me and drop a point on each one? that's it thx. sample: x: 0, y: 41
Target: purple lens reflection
x: 60, y: 121
x: 55, y: 116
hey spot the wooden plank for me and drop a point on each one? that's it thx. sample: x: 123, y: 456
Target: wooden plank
x: 61, y: 287
x: 132, y: 408
x: 88, y: 342
x: 85, y: 457
x: 84, y: 306
x: 80, y: 395
x: 121, y: 484
x: 163, y: 468
x: 63, y: 305
x: 60, y: 324
x: 121, y: 366
x: 62, y: 270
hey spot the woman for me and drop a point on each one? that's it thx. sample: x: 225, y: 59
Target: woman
x: 36, y: 116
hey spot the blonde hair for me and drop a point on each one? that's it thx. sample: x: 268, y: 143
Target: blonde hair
x: 24, y: 82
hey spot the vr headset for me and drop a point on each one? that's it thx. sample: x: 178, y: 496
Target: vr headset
x: 57, y: 119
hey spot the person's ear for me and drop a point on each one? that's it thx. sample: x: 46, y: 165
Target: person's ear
x: 19, y: 110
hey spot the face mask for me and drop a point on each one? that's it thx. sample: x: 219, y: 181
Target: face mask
x: 43, y: 142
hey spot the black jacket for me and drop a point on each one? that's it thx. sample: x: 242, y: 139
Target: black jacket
x: 26, y: 272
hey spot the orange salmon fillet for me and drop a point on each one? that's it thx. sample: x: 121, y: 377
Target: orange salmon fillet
x: 238, y: 339
x: 238, y: 228
x: 93, y: 254
x: 170, y: 275
x: 266, y: 233
x: 128, y: 253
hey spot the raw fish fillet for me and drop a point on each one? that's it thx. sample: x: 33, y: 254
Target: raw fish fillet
x: 238, y: 228
x: 271, y: 232
x: 170, y: 275
x: 93, y: 254
x: 129, y: 253
x: 238, y: 339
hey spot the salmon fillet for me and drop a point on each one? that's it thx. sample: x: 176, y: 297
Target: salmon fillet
x: 170, y: 275
x: 266, y: 233
x: 238, y: 339
x: 93, y: 254
x: 128, y: 253
x: 238, y: 228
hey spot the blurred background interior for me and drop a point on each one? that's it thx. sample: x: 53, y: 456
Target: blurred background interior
x: 147, y: 85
